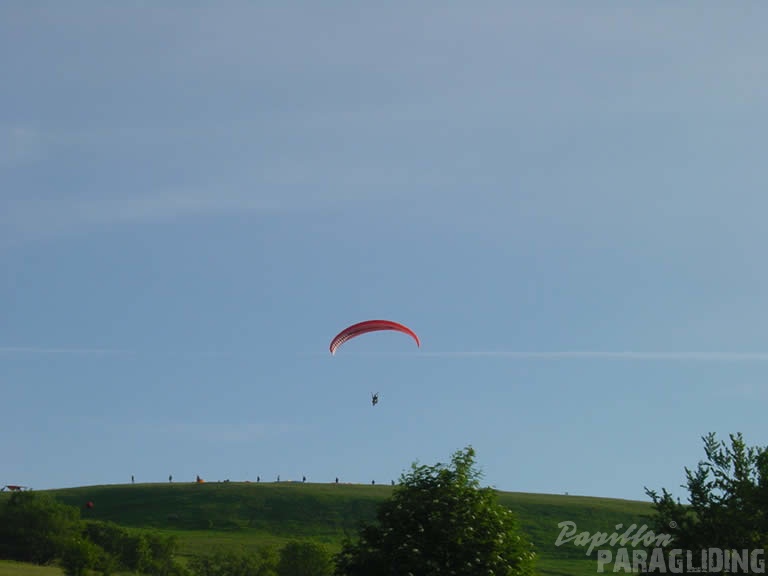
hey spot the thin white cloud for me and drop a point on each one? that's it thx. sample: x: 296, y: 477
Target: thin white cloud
x: 24, y: 144
x: 26, y: 217
x: 611, y: 355
x: 168, y: 204
x: 59, y: 350
x: 588, y: 355
x: 628, y: 355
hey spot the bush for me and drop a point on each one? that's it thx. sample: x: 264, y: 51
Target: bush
x: 304, y: 559
x: 229, y: 563
x: 78, y: 555
x: 36, y: 528
x: 439, y: 521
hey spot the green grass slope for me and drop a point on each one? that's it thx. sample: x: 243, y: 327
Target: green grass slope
x: 249, y: 515
x: 289, y: 510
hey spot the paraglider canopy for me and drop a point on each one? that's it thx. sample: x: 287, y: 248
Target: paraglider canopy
x: 370, y: 326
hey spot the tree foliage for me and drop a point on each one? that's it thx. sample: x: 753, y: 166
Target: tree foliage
x: 36, y: 528
x: 440, y: 521
x: 295, y: 558
x: 140, y: 551
x: 728, y: 499
x: 304, y: 559
x: 236, y: 563
x: 78, y: 556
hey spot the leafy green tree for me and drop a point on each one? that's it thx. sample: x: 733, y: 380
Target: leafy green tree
x: 728, y: 499
x: 112, y: 539
x: 79, y: 555
x: 136, y: 550
x: 36, y: 528
x: 162, y: 550
x: 137, y: 555
x: 235, y: 563
x: 304, y: 559
x: 440, y: 521
x: 106, y: 564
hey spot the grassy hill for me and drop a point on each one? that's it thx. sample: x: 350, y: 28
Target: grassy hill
x: 250, y: 515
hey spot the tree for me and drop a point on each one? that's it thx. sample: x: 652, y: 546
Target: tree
x: 728, y: 499
x: 162, y: 549
x: 78, y: 556
x: 235, y: 563
x: 439, y: 521
x: 34, y: 527
x: 304, y: 559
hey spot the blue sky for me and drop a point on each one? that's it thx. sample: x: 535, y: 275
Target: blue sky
x: 566, y: 201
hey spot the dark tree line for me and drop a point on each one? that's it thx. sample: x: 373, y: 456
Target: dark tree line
x: 36, y: 528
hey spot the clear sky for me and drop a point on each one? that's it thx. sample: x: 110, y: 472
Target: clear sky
x: 565, y: 200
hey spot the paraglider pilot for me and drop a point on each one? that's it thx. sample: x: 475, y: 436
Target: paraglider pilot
x: 374, y: 399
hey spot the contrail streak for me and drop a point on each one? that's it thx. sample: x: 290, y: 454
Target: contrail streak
x: 46, y: 350
x: 627, y: 355
x: 609, y: 355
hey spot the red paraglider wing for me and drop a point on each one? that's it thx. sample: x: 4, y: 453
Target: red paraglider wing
x: 370, y: 326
